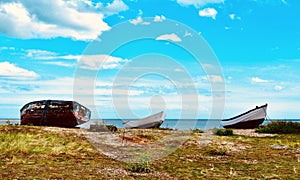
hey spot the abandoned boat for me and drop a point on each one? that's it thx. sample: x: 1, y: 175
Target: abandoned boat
x: 54, y: 113
x: 153, y: 121
x: 248, y: 120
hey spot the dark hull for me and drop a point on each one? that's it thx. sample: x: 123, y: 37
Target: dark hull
x: 59, y: 120
x: 54, y: 113
x: 246, y: 125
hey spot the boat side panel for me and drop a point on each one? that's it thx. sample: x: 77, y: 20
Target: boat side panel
x: 246, y: 125
x: 58, y: 113
x: 250, y: 111
x: 252, y: 115
x: 152, y: 121
x: 145, y: 126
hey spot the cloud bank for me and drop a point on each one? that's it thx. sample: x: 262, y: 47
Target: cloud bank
x: 171, y: 37
x: 79, y: 20
x: 198, y: 3
x: 208, y: 12
x: 8, y: 70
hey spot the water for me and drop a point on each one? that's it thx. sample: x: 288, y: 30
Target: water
x: 6, y: 121
x: 183, y: 124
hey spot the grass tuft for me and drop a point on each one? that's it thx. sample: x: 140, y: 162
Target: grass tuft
x: 216, y: 152
x: 139, y: 167
x: 197, y: 130
x: 223, y: 132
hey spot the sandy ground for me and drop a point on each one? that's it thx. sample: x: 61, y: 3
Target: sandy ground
x: 251, y: 132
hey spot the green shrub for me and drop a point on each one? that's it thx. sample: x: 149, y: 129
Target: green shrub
x: 139, y: 167
x: 280, y: 127
x: 197, y: 130
x: 112, y: 128
x: 164, y: 128
x: 223, y: 132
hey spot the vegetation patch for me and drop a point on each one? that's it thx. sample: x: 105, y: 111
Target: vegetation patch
x: 223, y: 132
x: 215, y: 151
x: 139, y: 167
x: 280, y: 127
x: 165, y: 128
x: 197, y: 130
x: 28, y: 152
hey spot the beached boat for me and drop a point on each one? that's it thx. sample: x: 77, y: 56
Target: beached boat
x: 54, y: 113
x: 153, y: 121
x: 248, y: 120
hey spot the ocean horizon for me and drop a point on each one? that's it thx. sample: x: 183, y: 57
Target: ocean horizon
x: 180, y: 124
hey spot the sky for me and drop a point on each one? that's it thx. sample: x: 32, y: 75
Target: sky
x: 131, y: 58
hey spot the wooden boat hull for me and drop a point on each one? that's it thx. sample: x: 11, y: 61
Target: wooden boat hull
x: 54, y: 113
x: 246, y: 125
x: 153, y: 121
x: 248, y: 120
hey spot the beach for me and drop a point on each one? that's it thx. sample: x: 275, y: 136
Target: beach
x: 68, y: 153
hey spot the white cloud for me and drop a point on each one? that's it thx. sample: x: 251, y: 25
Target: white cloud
x: 198, y: 3
x: 187, y: 34
x: 234, y: 17
x: 258, y: 80
x: 140, y: 12
x: 58, y: 63
x: 107, y: 9
x: 171, y: 37
x: 278, y: 88
x: 8, y: 70
x: 159, y: 18
x: 40, y: 54
x: 138, y: 20
x: 227, y: 28
x: 208, y: 12
x: 48, y: 19
x: 114, y: 8
x: 96, y: 62
x: 7, y: 48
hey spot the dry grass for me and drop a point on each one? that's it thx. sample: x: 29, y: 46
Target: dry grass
x: 57, y: 153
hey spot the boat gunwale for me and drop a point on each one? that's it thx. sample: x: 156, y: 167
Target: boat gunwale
x: 145, y: 120
x: 65, y: 101
x: 256, y: 108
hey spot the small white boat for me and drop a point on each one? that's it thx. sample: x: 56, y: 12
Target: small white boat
x: 153, y: 121
x: 248, y: 120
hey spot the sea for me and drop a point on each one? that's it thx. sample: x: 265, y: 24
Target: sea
x: 179, y: 124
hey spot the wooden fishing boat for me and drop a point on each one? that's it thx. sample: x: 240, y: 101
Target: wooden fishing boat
x: 153, y: 121
x: 248, y: 120
x: 54, y: 113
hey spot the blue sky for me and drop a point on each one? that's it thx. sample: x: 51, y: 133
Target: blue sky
x: 130, y: 58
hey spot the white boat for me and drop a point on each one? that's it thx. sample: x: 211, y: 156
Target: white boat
x: 153, y: 121
x: 248, y: 120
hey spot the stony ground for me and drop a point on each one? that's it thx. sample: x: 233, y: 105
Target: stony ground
x: 59, y: 153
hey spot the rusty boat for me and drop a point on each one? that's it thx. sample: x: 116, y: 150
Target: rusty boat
x: 58, y: 113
